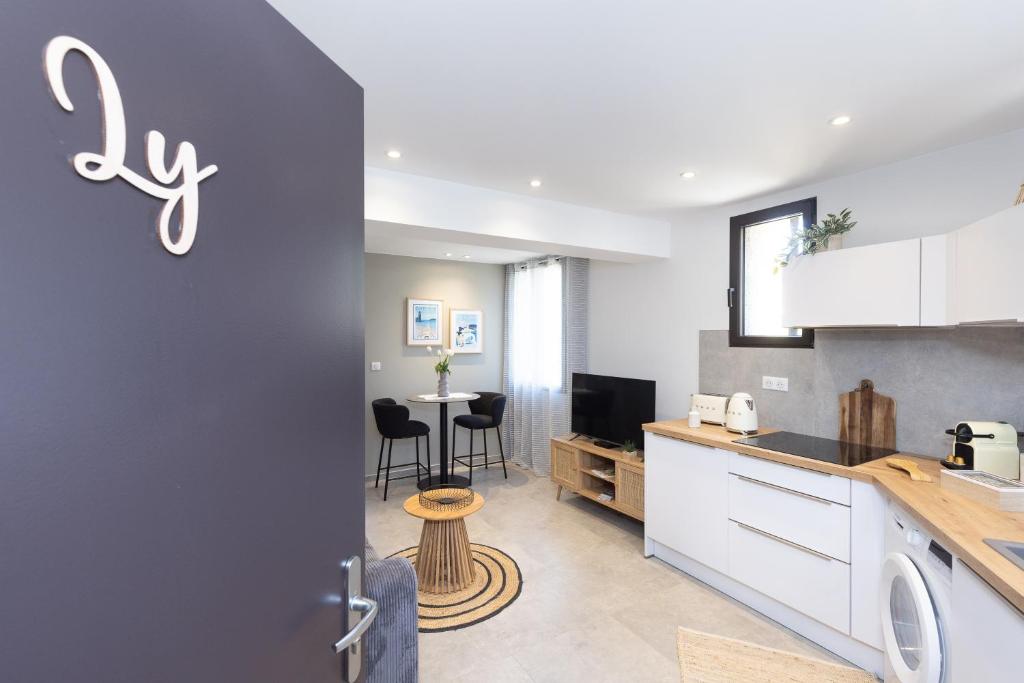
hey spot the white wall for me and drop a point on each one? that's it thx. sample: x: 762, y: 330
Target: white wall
x: 408, y: 370
x: 645, y: 318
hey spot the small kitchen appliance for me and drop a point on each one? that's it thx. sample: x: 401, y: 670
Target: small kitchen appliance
x: 988, y: 447
x: 710, y: 406
x: 741, y: 414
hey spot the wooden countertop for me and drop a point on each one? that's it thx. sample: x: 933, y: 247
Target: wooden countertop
x: 958, y: 523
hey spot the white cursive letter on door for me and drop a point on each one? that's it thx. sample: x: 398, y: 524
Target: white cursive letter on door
x: 110, y: 162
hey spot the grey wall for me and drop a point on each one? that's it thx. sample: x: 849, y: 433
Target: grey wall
x: 180, y: 437
x: 408, y: 370
x: 937, y: 376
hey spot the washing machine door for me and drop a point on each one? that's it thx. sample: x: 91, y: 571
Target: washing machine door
x: 910, y: 626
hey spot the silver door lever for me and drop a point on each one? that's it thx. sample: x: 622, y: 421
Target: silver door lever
x: 369, y: 609
x: 358, y: 614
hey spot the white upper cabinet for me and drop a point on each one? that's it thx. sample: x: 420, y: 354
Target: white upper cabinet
x: 873, y: 286
x: 966, y: 277
x: 987, y: 283
x: 938, y: 269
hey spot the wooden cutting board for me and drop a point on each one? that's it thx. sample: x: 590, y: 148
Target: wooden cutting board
x: 867, y: 417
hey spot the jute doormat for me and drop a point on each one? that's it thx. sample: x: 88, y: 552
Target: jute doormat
x: 704, y: 658
x: 497, y: 583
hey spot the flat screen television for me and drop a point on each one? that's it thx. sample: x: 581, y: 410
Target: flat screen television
x: 611, y: 409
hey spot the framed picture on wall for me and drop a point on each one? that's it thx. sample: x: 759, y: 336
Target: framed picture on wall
x: 423, y: 322
x: 467, y: 331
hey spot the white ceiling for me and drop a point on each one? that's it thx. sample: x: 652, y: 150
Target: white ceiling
x: 608, y: 102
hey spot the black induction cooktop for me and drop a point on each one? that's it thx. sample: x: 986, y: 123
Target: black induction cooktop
x: 817, y: 448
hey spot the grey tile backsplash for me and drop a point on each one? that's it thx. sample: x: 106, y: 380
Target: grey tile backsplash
x: 937, y: 376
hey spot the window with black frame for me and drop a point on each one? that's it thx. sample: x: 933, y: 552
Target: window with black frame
x: 755, y: 281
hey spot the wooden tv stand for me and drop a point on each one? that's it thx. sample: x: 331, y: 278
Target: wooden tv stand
x: 579, y: 465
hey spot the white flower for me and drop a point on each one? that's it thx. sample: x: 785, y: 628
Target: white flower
x: 449, y: 352
x: 430, y: 349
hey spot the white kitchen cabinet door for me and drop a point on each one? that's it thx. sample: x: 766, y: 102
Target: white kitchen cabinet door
x: 878, y: 285
x: 867, y: 555
x: 938, y: 273
x: 987, y: 631
x: 686, y: 499
x: 987, y: 286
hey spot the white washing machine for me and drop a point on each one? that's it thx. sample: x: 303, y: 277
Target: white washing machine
x: 915, y: 600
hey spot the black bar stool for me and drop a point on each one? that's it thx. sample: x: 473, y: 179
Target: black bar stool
x: 485, y: 412
x: 393, y: 423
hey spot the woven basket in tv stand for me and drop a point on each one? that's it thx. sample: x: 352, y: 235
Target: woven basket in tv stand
x: 580, y: 466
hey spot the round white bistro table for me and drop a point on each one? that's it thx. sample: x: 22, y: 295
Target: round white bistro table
x: 442, y: 402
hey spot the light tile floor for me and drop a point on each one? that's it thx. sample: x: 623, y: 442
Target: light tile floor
x: 592, y: 607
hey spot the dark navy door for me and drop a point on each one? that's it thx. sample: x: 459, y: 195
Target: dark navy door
x: 180, y: 435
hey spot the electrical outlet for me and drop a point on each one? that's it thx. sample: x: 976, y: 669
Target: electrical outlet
x: 775, y: 383
x: 375, y: 366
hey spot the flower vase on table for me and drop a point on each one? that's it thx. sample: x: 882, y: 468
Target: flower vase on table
x: 443, y: 370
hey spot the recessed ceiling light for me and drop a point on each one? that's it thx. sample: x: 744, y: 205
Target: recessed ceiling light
x: 840, y: 120
x: 394, y: 154
x: 448, y: 253
x: 688, y: 174
x: 466, y: 256
x: 535, y: 182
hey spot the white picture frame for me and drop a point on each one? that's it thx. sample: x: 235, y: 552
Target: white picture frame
x: 424, y: 322
x: 466, y: 330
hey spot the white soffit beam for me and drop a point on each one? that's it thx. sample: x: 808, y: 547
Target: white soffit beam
x: 402, y: 205
x: 391, y: 238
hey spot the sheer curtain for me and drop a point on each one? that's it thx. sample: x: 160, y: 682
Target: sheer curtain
x: 545, y: 342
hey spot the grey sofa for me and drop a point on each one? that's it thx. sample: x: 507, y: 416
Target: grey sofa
x: 392, y: 640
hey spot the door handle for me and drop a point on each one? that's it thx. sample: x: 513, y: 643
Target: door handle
x: 369, y: 609
x: 358, y: 614
x: 783, y: 489
x: 791, y: 544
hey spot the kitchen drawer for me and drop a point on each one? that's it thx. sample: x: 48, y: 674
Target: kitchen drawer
x: 817, y: 484
x: 812, y: 522
x: 802, y: 579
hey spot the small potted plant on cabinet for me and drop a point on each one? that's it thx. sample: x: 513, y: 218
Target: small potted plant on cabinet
x: 824, y: 235
x: 629, y: 448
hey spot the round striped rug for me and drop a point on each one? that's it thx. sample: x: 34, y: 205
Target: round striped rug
x: 496, y: 585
